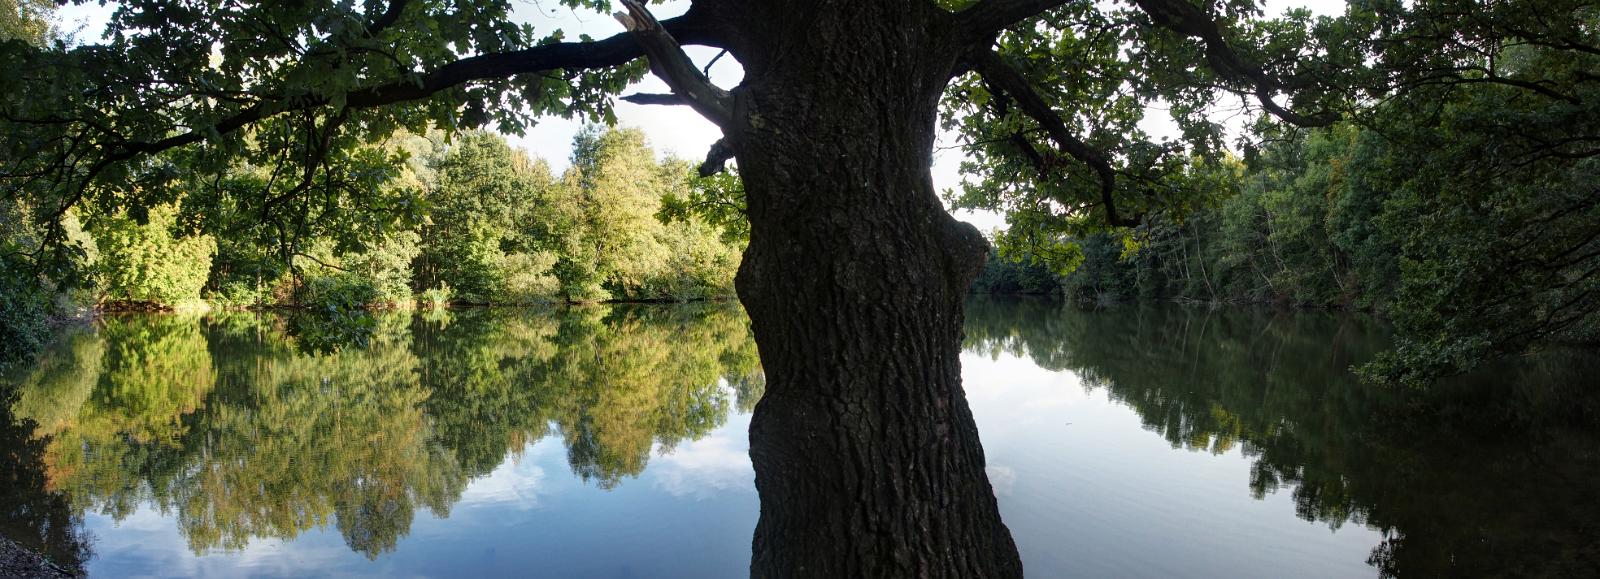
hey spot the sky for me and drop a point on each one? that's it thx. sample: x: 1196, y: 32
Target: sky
x: 675, y: 130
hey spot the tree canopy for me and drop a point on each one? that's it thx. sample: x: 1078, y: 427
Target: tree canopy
x: 278, y: 112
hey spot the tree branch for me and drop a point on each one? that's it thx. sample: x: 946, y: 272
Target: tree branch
x: 388, y: 18
x: 613, y: 51
x: 1184, y: 18
x: 653, y: 98
x: 994, y: 69
x: 717, y: 158
x: 984, y: 19
x: 668, y: 61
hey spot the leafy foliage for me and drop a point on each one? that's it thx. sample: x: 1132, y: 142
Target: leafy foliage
x: 1457, y: 195
x: 146, y: 262
x: 26, y: 20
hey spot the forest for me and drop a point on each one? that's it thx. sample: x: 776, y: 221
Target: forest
x: 1461, y: 227
x: 484, y: 225
x: 488, y: 225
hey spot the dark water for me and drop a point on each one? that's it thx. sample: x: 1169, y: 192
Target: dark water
x: 610, y: 442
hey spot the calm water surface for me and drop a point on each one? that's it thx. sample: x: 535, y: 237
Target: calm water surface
x: 611, y: 442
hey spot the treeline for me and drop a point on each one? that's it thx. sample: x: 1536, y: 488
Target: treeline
x: 497, y: 227
x: 1471, y: 220
x: 490, y: 226
x: 1308, y: 224
x: 462, y: 219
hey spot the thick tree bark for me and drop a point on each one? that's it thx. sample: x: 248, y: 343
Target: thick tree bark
x: 866, y: 455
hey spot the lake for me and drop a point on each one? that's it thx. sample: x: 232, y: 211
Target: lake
x: 610, y: 441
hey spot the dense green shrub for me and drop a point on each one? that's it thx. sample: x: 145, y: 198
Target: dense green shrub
x: 386, y: 266
x: 146, y: 262
x: 337, y: 292
x: 436, y: 298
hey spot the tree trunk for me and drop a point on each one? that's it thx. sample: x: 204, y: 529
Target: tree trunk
x: 866, y: 455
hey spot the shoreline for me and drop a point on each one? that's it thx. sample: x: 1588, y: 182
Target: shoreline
x: 24, y: 563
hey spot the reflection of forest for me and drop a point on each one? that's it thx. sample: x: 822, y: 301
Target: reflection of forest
x: 226, y: 423
x: 31, y: 514
x: 1492, y: 474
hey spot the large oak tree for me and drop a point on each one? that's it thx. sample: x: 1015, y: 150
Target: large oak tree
x: 866, y: 455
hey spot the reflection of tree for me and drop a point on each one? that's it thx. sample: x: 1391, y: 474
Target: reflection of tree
x: 30, y: 513
x: 473, y: 362
x: 121, y: 406
x: 631, y: 377
x: 227, y: 425
x: 291, y: 439
x: 1482, y: 475
x: 614, y: 380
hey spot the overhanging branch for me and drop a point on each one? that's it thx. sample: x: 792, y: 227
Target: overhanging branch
x: 388, y: 18
x: 995, y: 70
x: 614, y: 51
x: 1185, y: 18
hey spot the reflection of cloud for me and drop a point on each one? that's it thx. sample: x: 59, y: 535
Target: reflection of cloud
x: 1002, y: 478
x: 516, y: 483
x: 277, y: 558
x: 713, y: 465
x: 144, y: 518
x: 1014, y: 395
x: 152, y: 546
x: 147, y: 543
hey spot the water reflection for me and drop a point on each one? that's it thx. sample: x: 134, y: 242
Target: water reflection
x: 242, y: 430
x: 236, y: 430
x: 30, y: 513
x: 1493, y: 474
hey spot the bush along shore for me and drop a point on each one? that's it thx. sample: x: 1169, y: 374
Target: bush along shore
x: 467, y: 220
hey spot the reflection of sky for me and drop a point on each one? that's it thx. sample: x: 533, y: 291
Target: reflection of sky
x: 711, y: 468
x: 1084, y: 488
x: 516, y: 484
x: 690, y: 514
x: 1086, y: 491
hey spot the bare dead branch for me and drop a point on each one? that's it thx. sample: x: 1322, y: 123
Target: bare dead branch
x: 668, y: 61
x: 653, y: 98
